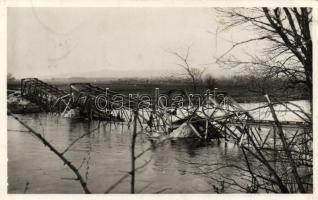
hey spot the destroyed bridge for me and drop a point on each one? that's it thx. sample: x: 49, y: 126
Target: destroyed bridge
x: 219, y: 117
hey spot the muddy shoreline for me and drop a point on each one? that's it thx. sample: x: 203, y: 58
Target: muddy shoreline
x: 19, y: 105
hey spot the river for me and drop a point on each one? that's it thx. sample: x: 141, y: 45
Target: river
x: 104, y: 157
x: 107, y: 151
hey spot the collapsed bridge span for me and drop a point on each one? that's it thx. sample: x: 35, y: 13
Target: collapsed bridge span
x: 50, y: 98
x: 218, y: 115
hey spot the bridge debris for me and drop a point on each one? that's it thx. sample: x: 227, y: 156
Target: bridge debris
x: 19, y: 105
x: 48, y: 97
x: 219, y: 117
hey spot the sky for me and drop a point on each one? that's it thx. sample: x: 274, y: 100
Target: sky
x: 57, y: 41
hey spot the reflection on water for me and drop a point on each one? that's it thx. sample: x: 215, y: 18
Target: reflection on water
x: 104, y: 157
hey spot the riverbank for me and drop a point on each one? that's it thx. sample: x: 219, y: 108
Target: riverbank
x: 240, y: 92
x: 19, y: 105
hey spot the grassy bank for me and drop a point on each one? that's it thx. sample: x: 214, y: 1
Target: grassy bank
x: 242, y: 92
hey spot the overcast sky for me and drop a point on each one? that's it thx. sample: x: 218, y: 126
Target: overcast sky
x: 53, y: 41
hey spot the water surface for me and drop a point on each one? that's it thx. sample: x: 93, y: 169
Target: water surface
x: 105, y: 158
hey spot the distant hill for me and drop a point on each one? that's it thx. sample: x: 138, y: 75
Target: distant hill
x: 114, y: 74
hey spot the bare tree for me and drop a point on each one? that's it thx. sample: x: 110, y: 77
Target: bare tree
x: 210, y: 81
x: 192, y: 73
x: 286, y: 33
x: 132, y: 151
x: 10, y: 77
x: 59, y: 154
x: 274, y: 159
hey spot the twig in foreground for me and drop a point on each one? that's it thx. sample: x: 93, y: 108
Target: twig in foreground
x: 56, y: 152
